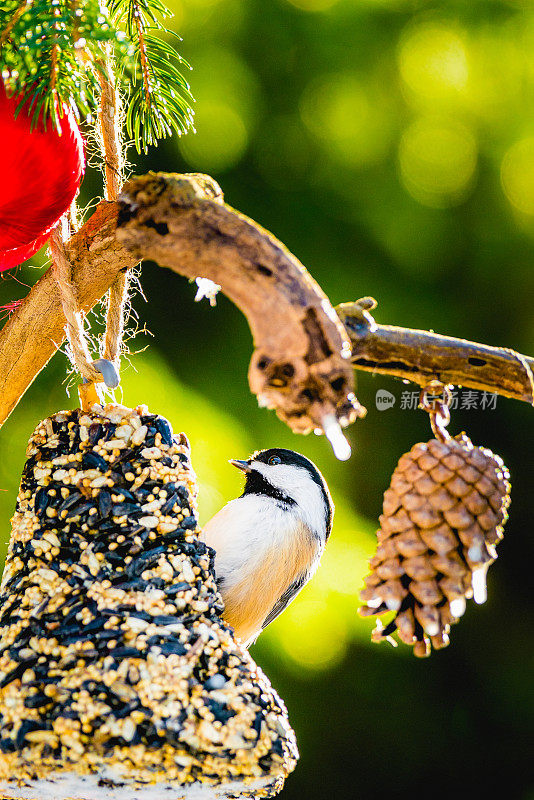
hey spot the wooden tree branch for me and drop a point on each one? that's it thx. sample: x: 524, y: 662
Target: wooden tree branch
x: 301, y: 362
x: 299, y: 366
x: 422, y: 356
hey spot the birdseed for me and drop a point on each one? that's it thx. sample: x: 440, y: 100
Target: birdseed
x: 116, y: 669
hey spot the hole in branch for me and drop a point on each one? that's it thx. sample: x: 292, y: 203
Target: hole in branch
x: 338, y: 383
x: 264, y: 270
x: 319, y: 348
x: 160, y: 227
x: 288, y: 370
x: 126, y: 212
x: 477, y: 362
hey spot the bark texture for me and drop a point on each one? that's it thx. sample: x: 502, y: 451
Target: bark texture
x: 301, y: 362
x: 424, y: 356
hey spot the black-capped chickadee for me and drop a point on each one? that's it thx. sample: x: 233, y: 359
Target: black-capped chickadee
x: 268, y: 542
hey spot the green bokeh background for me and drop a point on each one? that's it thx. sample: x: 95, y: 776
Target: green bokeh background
x: 390, y: 145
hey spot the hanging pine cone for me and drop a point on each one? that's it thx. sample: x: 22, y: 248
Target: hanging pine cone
x: 442, y: 516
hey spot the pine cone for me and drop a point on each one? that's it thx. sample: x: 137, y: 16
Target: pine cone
x: 442, y: 516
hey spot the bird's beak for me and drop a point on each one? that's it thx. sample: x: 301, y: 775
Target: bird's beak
x: 244, y: 466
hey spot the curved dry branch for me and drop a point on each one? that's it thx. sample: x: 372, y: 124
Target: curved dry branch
x: 298, y: 366
x: 422, y: 356
x: 301, y: 362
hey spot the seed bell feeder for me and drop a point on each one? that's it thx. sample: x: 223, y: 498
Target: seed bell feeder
x: 119, y: 679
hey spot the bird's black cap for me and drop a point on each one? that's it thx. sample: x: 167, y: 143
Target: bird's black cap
x: 257, y: 484
x: 289, y: 457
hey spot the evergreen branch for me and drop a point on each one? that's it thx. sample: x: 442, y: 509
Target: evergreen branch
x: 4, y: 36
x: 142, y: 53
x: 50, y: 56
x: 161, y: 101
x: 54, y: 60
x: 41, y: 63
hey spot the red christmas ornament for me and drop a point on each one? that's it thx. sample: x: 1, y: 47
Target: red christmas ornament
x: 41, y: 171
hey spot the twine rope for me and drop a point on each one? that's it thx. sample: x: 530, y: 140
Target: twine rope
x: 69, y: 302
x: 112, y: 150
x: 117, y: 297
x: 108, y: 117
x: 116, y: 304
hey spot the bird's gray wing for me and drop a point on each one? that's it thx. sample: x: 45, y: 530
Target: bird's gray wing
x: 285, y: 599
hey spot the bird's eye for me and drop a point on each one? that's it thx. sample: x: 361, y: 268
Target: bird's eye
x: 274, y: 460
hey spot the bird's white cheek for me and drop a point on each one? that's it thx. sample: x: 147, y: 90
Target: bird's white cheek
x: 297, y: 484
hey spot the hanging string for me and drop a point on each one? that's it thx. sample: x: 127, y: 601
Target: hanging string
x: 109, y: 120
x: 437, y: 407
x: 118, y: 293
x: 81, y: 356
